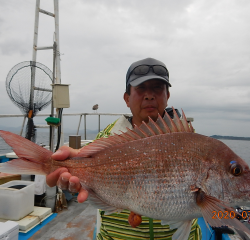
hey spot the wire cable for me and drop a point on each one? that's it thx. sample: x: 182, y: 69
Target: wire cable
x: 59, y: 129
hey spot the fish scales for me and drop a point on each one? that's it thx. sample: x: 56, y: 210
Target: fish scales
x: 174, y: 177
x: 145, y: 172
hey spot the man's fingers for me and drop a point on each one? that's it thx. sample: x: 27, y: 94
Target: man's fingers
x: 71, y: 183
x: 74, y: 184
x: 63, y: 181
x: 64, y: 153
x: 62, y: 178
x: 53, y: 177
x: 82, y: 195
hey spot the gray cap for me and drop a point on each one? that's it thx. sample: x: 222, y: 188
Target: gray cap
x: 134, y: 80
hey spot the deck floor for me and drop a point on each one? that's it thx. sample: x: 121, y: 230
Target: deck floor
x: 76, y: 222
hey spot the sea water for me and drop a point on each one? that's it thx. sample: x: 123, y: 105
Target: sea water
x: 240, y: 147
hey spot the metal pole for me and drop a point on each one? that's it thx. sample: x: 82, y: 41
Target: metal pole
x: 33, y: 63
x: 85, y: 126
x: 99, y: 122
x: 52, y: 130
x: 21, y: 132
x: 36, y: 30
x: 58, y: 68
x: 32, y: 85
x: 79, y: 125
x: 30, y: 113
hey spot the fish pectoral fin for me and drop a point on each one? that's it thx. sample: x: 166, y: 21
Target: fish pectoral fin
x: 164, y: 222
x: 183, y: 228
x: 134, y: 219
x: 100, y: 204
x: 217, y: 213
x: 172, y: 224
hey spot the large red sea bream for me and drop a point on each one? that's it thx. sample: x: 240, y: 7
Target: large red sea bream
x: 161, y: 170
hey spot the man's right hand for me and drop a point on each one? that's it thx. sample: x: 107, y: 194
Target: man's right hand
x: 62, y: 178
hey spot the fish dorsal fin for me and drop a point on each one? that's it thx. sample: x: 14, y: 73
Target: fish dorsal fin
x: 139, y: 131
x: 157, y: 130
x: 168, y: 120
x: 147, y: 129
x: 188, y: 128
x: 178, y: 122
x: 163, y: 125
x: 133, y: 134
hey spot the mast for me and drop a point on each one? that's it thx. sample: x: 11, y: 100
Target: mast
x: 56, y: 60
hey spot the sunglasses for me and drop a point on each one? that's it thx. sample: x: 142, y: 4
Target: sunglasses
x: 157, y: 69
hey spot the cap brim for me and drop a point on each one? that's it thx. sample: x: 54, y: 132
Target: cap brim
x: 140, y: 80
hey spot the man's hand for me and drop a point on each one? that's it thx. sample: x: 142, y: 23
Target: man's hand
x: 62, y: 178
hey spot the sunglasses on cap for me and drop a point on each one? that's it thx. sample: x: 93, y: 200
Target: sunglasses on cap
x: 144, y: 69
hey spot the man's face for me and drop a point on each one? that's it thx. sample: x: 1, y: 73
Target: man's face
x: 147, y: 100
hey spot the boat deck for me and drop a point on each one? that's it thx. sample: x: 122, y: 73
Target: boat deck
x: 76, y: 222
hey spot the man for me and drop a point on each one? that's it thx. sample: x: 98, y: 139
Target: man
x: 147, y: 94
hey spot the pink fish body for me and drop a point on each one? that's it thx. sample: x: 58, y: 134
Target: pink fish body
x: 161, y: 170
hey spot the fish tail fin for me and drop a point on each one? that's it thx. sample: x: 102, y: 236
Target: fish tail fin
x: 33, y: 159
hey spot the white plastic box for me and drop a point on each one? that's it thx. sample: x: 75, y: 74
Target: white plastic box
x: 9, y: 230
x: 16, y: 199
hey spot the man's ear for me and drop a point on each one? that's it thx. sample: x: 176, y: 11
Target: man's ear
x: 168, y: 94
x: 126, y: 98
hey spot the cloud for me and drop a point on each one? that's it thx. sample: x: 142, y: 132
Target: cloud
x: 205, y: 46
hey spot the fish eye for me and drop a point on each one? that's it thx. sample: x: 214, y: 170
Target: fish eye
x: 235, y: 168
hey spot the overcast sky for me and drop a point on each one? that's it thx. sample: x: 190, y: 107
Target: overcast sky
x: 204, y: 44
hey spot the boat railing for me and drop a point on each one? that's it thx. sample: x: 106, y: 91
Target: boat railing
x: 84, y: 115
